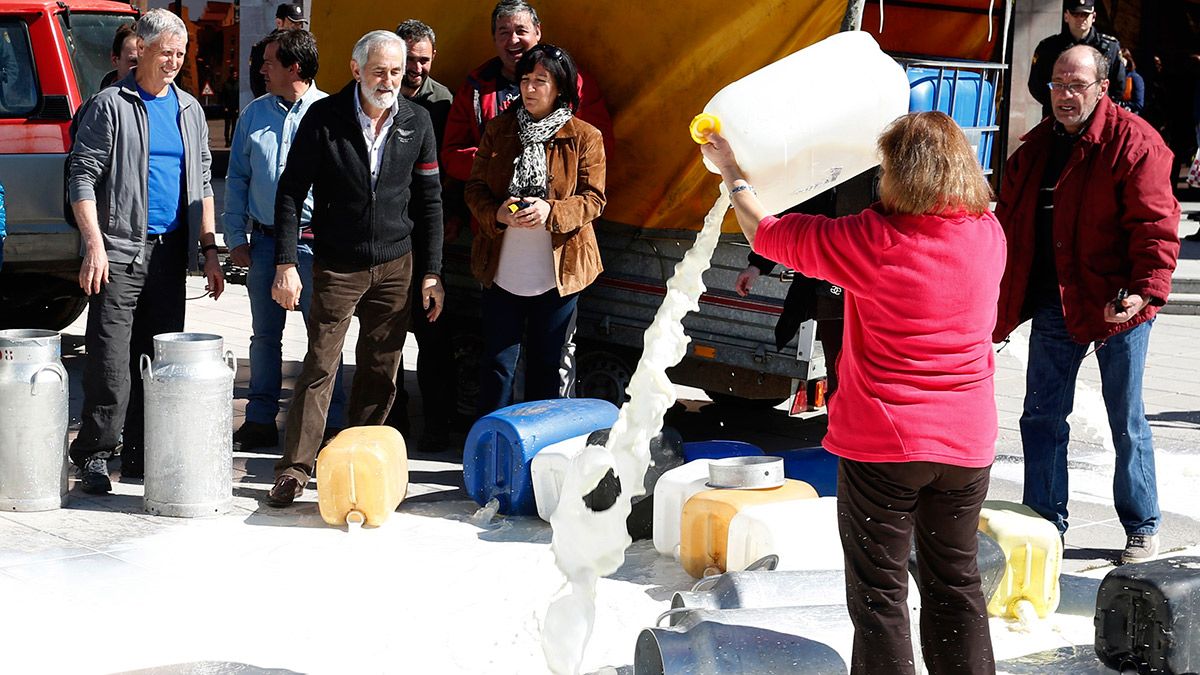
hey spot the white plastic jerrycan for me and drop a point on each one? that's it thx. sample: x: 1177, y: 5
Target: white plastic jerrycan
x: 802, y: 532
x: 810, y: 120
x: 674, y: 488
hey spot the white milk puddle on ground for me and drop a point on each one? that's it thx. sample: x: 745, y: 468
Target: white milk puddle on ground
x: 588, y: 545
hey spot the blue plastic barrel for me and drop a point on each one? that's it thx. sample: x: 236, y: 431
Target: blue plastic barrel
x: 815, y: 466
x: 502, y: 444
x: 973, y: 99
x: 718, y: 450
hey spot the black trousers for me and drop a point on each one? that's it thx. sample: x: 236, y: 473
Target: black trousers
x: 437, y: 374
x: 142, y: 299
x: 881, y: 506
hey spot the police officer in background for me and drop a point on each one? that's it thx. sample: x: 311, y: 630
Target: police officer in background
x: 1079, y: 18
x: 288, y: 16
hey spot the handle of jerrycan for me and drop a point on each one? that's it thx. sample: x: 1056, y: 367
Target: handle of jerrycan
x: 702, y: 125
x: 231, y: 360
x: 766, y: 563
x: 146, y: 367
x: 55, y: 368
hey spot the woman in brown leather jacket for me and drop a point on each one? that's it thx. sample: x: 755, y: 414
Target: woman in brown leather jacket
x: 536, y: 186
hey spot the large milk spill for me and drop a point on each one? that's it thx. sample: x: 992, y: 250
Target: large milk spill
x: 588, y: 545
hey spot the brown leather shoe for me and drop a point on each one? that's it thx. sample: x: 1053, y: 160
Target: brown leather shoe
x: 284, y: 492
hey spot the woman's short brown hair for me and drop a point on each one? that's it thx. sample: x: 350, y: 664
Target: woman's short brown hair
x: 930, y: 167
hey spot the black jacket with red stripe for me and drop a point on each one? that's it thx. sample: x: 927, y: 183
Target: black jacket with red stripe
x: 353, y: 225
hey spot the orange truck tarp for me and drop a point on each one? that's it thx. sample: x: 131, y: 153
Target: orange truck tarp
x: 657, y: 63
x: 960, y: 29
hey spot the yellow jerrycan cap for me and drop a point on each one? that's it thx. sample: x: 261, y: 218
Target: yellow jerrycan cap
x: 702, y: 125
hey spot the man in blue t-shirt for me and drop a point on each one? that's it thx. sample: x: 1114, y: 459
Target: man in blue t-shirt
x: 140, y: 233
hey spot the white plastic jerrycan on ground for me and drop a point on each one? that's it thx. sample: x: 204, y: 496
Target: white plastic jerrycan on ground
x: 810, y: 120
x: 674, y: 488
x: 802, y: 532
x: 549, y: 469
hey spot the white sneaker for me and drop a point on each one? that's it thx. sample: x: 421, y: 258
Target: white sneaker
x: 1139, y: 548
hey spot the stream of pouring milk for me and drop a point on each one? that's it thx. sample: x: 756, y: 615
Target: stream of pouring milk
x: 588, y: 545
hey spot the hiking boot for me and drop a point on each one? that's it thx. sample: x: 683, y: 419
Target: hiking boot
x: 1139, y: 548
x: 254, y: 435
x: 93, y: 475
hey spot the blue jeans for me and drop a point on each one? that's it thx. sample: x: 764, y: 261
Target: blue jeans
x: 267, y: 321
x: 547, y: 321
x: 1049, y: 397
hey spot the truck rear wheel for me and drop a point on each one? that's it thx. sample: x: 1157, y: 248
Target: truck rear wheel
x: 39, y: 301
x: 603, y: 374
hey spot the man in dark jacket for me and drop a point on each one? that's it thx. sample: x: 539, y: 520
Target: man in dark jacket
x: 1079, y: 17
x: 1092, y: 230
x: 370, y: 158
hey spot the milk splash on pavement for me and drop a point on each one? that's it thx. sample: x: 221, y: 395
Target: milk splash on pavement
x: 588, y: 545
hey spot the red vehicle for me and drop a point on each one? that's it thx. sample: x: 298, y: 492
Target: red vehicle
x: 53, y: 55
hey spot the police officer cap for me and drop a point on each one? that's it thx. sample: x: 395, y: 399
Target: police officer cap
x: 1079, y: 5
x: 293, y: 12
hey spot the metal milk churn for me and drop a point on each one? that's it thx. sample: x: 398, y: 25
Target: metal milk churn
x: 189, y: 425
x: 33, y: 421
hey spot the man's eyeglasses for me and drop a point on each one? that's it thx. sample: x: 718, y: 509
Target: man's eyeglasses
x: 1075, y: 88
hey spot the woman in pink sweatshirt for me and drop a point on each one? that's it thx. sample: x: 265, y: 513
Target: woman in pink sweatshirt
x: 914, y: 421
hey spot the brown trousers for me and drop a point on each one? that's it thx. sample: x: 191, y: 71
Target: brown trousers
x: 881, y: 506
x: 379, y: 296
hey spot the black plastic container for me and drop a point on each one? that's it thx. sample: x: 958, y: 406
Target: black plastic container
x: 989, y: 557
x: 1148, y: 617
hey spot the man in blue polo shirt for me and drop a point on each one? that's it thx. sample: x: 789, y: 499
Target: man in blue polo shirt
x: 261, y: 141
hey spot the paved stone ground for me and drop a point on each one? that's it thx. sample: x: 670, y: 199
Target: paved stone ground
x: 52, y: 552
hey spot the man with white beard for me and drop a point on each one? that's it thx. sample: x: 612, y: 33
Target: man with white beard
x: 370, y: 158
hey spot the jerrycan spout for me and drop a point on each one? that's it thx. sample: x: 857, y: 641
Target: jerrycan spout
x: 702, y: 125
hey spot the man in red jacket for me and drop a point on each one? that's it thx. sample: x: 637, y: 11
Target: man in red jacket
x: 491, y: 87
x: 1092, y: 229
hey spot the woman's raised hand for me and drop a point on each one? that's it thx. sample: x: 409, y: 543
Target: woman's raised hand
x: 717, y: 151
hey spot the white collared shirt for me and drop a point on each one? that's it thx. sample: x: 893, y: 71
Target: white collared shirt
x: 374, y: 142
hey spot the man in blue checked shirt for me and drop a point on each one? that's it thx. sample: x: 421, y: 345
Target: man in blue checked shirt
x: 264, y: 133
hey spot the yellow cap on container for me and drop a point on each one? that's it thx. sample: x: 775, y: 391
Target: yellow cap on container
x: 702, y: 125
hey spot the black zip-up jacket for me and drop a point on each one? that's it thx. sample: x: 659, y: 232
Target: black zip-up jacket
x: 1048, y: 51
x: 353, y: 226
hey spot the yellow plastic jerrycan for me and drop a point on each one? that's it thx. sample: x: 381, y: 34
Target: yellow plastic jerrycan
x: 362, y: 476
x: 704, y: 527
x: 1034, y: 555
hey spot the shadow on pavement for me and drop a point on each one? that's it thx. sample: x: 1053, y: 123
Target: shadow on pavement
x: 1176, y: 418
x: 1076, y: 660
x: 1077, y: 595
